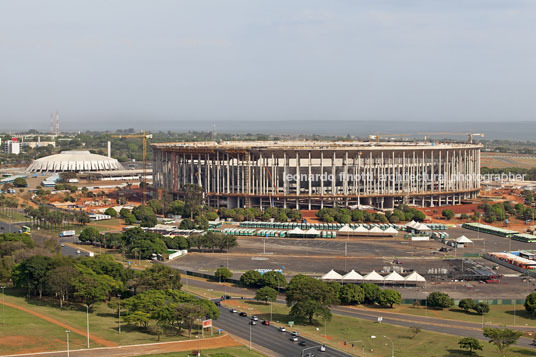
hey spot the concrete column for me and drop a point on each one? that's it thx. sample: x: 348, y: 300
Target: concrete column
x: 298, y: 174
x: 321, y: 175
x: 333, y: 173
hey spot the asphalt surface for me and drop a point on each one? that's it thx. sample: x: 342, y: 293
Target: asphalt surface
x: 270, y: 337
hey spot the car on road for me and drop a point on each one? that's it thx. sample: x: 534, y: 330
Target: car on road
x: 302, y: 343
x: 309, y: 355
x: 232, y: 310
x: 243, y: 314
x: 63, y: 245
x: 322, y: 348
x: 295, y: 333
x: 266, y: 322
x: 78, y: 251
x: 294, y: 338
x: 227, y: 297
x: 217, y: 303
x: 255, y: 318
x: 282, y: 329
x: 253, y: 322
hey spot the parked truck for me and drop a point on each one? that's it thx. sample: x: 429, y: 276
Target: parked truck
x: 67, y: 234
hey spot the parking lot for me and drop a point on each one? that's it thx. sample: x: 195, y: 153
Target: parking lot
x: 317, y: 257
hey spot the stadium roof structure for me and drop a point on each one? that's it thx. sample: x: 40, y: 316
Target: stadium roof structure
x: 74, y: 161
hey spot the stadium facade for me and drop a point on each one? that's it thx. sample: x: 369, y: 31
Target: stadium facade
x: 312, y: 175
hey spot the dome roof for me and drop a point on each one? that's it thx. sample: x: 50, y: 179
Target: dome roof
x: 75, y: 161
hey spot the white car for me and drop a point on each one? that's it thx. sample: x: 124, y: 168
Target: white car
x: 78, y: 251
x: 294, y: 338
x: 282, y: 329
x: 323, y: 348
x: 255, y: 318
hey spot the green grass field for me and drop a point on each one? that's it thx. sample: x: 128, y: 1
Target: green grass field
x: 103, y: 321
x: 498, y: 315
x: 219, y: 352
x: 342, y: 328
x: 24, y: 332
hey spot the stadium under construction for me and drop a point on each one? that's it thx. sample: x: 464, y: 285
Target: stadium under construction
x: 313, y: 175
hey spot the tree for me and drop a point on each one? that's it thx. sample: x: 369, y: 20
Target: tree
x: 31, y: 273
x: 530, y: 303
x: 90, y: 289
x: 448, y: 214
x: 20, y: 182
x: 89, y: 234
x: 471, y: 344
x: 111, y: 212
x: 502, y: 338
x: 159, y: 277
x: 223, y: 273
x: 250, y: 278
x: 372, y: 293
x: 266, y: 294
x: 60, y: 281
x: 466, y: 304
x: 193, y: 199
x: 389, y: 297
x: 481, y: 308
x: 439, y: 300
x: 351, y: 294
x: 273, y: 279
x: 309, y: 297
x: 414, y: 330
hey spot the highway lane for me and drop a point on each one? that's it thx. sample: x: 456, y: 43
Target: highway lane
x: 269, y: 337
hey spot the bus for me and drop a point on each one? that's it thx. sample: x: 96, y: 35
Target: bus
x: 25, y: 229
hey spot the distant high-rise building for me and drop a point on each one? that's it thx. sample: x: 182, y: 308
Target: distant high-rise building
x: 12, y: 146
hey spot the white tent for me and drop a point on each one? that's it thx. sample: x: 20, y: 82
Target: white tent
x: 375, y: 230
x: 312, y: 231
x: 373, y: 276
x: 352, y: 276
x: 463, y: 239
x: 346, y: 229
x: 296, y: 231
x: 361, y: 229
x: 414, y: 277
x: 421, y: 227
x: 390, y: 230
x: 411, y: 224
x: 394, y: 276
x: 332, y: 275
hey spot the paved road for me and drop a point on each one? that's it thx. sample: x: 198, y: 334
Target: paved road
x: 457, y: 328
x: 269, y: 336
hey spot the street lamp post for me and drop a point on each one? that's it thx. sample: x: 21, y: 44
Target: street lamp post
x: 250, y: 336
x: 119, y: 313
x: 392, y: 346
x: 198, y: 345
x: 87, y: 324
x: 67, y: 333
x: 3, y: 306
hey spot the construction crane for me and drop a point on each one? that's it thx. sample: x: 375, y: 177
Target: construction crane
x: 144, y: 136
x: 469, y: 135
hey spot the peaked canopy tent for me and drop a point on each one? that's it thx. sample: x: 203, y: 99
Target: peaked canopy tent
x: 373, y: 276
x: 393, y: 277
x: 311, y: 233
x: 331, y: 275
x: 414, y: 278
x: 296, y: 232
x: 352, y: 276
x: 463, y: 239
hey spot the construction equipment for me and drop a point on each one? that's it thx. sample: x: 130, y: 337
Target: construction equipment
x: 144, y: 136
x: 469, y: 135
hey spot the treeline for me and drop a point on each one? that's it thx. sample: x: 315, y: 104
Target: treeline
x: 346, y: 216
x: 530, y: 174
x: 44, y: 217
x: 137, y: 243
x: 503, y: 210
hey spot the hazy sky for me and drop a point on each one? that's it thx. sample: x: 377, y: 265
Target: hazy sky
x: 97, y: 61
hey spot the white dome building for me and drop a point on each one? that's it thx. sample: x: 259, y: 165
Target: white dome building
x: 74, y: 161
